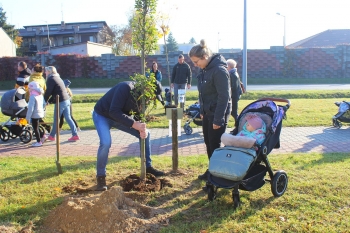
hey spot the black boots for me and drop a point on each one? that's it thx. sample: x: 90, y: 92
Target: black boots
x: 204, y: 176
x: 101, y: 183
x: 154, y: 171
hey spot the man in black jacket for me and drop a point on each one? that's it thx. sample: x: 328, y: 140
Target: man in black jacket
x: 115, y: 109
x: 181, y: 77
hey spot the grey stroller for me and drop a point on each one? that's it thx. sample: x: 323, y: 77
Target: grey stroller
x: 343, y: 114
x: 14, y: 105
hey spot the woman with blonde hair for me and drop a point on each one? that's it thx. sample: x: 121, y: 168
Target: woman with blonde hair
x: 214, y: 95
x: 54, y: 87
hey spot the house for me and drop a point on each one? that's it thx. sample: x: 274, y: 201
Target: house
x: 8, y: 47
x: 46, y: 37
x: 327, y: 39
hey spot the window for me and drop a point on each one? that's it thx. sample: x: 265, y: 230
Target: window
x: 53, y: 28
x: 28, y: 41
x: 45, y: 41
x: 85, y: 38
x: 93, y: 26
x: 68, y: 40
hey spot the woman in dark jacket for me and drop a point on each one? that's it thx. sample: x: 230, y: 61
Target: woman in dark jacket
x: 55, y: 86
x: 214, y: 95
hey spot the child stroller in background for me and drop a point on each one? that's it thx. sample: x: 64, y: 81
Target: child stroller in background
x: 343, y: 114
x: 245, y: 168
x: 13, y: 104
x: 193, y: 112
x: 168, y: 97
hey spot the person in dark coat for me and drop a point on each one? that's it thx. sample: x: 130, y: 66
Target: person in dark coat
x: 236, y: 90
x: 181, y: 77
x: 54, y: 87
x: 214, y: 96
x: 116, y: 109
x: 24, y: 73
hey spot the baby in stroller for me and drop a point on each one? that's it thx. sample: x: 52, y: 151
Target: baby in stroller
x: 243, y: 163
x: 252, y: 133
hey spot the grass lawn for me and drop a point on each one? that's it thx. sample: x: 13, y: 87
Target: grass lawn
x: 309, y: 108
x: 317, y: 198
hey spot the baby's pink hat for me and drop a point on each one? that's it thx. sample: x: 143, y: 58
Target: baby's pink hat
x: 255, y: 121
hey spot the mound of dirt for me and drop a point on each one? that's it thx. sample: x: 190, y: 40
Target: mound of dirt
x: 150, y: 184
x: 110, y: 212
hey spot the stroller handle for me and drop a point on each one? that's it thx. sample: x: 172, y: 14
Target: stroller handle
x: 278, y: 100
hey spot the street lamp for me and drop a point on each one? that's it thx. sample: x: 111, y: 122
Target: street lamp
x: 284, y: 35
x: 48, y: 34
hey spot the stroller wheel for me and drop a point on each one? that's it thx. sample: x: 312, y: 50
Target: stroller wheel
x: 337, y: 124
x: 4, y: 135
x: 12, y: 135
x: 279, y: 183
x: 212, y: 190
x: 25, y: 136
x: 188, y: 129
x: 41, y: 132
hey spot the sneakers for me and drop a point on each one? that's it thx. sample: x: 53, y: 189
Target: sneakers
x: 204, y: 176
x: 50, y: 138
x: 43, y: 139
x: 37, y: 144
x: 154, y: 171
x: 74, y: 138
x: 101, y: 183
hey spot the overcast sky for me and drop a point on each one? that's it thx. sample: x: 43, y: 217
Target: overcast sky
x: 220, y: 22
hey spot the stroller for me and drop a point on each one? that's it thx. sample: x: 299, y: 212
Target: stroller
x: 245, y: 169
x: 193, y: 112
x: 343, y: 114
x: 14, y: 105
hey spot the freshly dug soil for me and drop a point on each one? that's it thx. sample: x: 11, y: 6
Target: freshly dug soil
x: 150, y: 184
x: 110, y: 212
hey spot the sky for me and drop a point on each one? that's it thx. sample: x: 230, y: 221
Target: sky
x: 219, y: 22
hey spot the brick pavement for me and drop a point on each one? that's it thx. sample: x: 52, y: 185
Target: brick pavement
x: 293, y: 139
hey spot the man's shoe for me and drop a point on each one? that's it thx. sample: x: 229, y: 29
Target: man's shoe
x: 204, y: 176
x: 101, y: 183
x: 154, y: 171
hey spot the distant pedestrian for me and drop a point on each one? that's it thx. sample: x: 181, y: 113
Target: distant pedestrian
x: 157, y: 73
x: 55, y: 86
x: 236, y: 90
x: 24, y: 72
x: 181, y: 77
x: 37, y: 76
x: 35, y: 111
x: 70, y: 94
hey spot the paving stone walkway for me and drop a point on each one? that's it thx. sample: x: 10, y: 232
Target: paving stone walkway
x: 293, y: 139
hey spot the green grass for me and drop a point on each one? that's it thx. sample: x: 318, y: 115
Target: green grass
x: 105, y: 82
x: 317, y: 198
x: 309, y: 108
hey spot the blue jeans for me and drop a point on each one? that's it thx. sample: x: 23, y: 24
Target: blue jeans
x: 64, y: 109
x: 103, y: 126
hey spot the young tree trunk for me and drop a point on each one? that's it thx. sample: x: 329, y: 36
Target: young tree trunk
x: 167, y: 62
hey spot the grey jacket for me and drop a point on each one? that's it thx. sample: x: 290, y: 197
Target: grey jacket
x: 214, y: 89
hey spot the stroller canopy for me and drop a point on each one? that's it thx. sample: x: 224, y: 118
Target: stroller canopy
x: 13, y: 101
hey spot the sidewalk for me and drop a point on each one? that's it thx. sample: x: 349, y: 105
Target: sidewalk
x: 293, y: 139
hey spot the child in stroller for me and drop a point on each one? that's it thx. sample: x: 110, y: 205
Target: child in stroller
x: 244, y: 165
x: 193, y: 112
x: 13, y: 104
x: 343, y: 114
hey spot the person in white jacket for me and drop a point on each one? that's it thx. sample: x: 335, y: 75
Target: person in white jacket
x: 35, y: 110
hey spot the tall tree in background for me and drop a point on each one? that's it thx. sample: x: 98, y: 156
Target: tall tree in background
x: 144, y: 30
x: 192, y: 41
x: 9, y: 29
x: 122, y: 44
x: 145, y: 38
x: 171, y: 44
